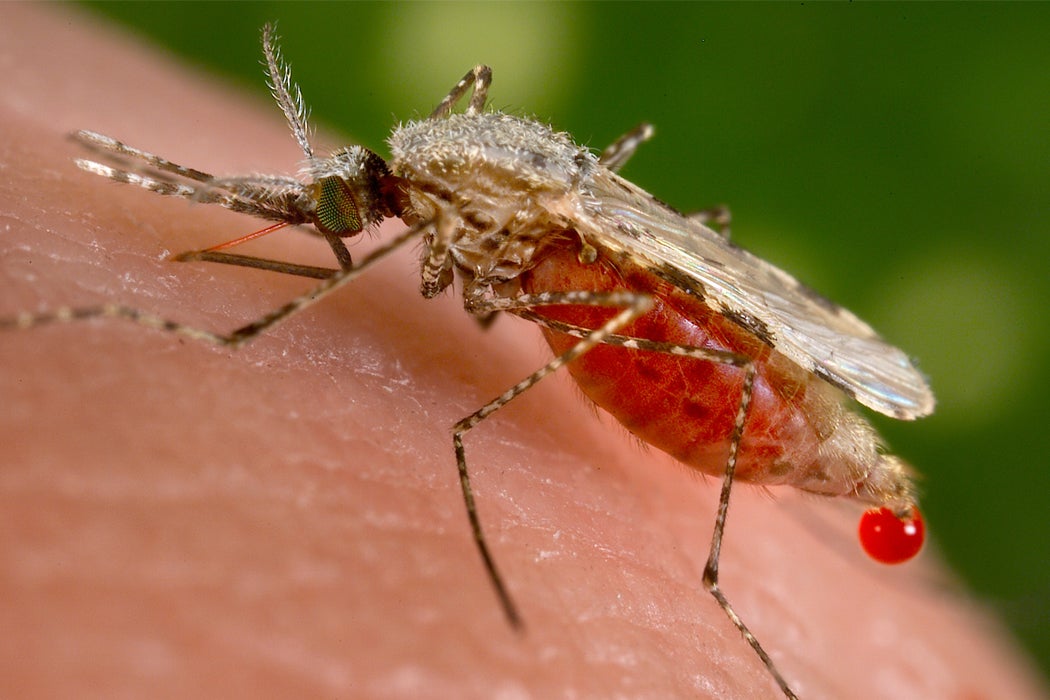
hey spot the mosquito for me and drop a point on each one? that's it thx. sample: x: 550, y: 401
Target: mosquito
x: 698, y: 347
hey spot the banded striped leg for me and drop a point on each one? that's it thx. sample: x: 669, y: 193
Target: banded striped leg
x: 480, y: 77
x: 636, y: 305
x: 719, y: 219
x: 617, y: 153
x: 711, y: 568
x: 234, y: 339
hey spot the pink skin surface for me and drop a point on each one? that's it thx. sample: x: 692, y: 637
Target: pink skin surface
x: 285, y: 520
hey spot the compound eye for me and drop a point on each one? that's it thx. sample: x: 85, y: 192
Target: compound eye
x: 336, y: 210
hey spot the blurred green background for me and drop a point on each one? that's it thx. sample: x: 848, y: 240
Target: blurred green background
x: 894, y: 156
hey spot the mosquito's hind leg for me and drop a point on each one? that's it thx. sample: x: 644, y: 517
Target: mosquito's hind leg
x: 480, y: 77
x: 635, y: 304
x: 719, y: 219
x: 710, y: 578
x: 617, y: 153
x: 711, y: 568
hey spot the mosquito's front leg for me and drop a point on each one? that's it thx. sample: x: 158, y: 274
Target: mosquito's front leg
x: 286, y: 268
x: 236, y: 338
x: 217, y: 254
x: 436, y: 270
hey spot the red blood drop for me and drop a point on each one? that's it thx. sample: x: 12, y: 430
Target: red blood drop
x: 890, y: 539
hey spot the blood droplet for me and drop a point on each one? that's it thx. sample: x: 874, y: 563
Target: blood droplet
x: 890, y: 539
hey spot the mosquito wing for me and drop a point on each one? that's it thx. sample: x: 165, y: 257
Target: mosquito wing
x: 620, y: 219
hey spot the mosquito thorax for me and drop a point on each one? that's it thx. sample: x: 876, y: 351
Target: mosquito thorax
x: 489, y: 161
x: 500, y: 176
x: 347, y: 189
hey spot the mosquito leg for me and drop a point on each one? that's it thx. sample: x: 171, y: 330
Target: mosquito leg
x: 711, y: 569
x: 436, y: 270
x: 481, y: 77
x: 523, y: 307
x: 724, y: 357
x: 236, y: 338
x: 636, y: 304
x: 718, y: 219
x: 217, y: 254
x: 341, y: 253
x: 287, y: 268
x: 622, y: 149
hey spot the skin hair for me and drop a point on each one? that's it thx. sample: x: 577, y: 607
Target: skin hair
x: 287, y: 519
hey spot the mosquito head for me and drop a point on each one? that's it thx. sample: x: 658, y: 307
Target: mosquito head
x: 347, y: 189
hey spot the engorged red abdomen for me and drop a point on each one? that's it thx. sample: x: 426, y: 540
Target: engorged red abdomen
x: 687, y: 407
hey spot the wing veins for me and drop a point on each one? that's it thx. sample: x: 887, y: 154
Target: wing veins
x: 619, y: 218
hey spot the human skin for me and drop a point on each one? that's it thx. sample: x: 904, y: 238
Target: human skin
x: 285, y: 520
